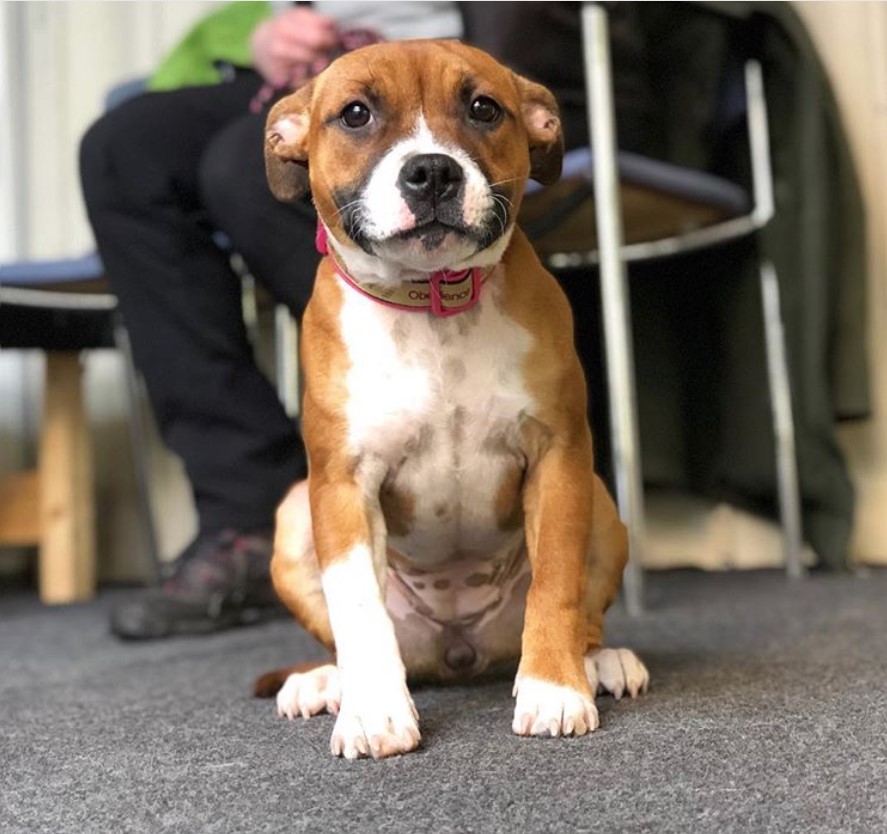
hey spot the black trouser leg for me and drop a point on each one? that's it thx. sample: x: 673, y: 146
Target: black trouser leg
x: 180, y: 300
x: 276, y: 240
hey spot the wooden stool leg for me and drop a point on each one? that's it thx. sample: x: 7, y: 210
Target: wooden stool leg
x: 67, y: 504
x: 20, y: 509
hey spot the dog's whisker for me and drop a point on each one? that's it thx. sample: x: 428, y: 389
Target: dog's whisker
x: 347, y: 206
x: 502, y: 182
x: 499, y: 200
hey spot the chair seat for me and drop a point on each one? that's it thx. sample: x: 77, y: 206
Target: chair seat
x: 84, y: 274
x: 659, y: 200
x: 60, y: 304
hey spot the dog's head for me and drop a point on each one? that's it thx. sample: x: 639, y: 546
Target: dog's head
x: 417, y: 152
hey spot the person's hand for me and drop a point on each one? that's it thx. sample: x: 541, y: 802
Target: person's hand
x: 293, y: 40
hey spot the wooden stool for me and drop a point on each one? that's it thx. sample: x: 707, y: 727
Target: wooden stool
x: 53, y: 506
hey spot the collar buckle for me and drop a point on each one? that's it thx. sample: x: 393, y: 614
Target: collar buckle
x: 445, y: 277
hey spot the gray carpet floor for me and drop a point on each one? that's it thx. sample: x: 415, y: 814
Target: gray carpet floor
x: 767, y: 712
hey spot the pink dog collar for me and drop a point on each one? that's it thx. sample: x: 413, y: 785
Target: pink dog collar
x: 443, y: 293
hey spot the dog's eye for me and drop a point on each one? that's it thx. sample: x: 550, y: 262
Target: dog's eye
x: 355, y: 114
x: 484, y: 109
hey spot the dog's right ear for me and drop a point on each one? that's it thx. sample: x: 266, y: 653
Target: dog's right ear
x: 286, y: 145
x: 544, y: 131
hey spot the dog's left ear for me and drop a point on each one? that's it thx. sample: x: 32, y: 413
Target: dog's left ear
x: 286, y: 145
x: 542, y: 120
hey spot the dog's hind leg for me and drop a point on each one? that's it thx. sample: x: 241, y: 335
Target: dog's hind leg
x: 617, y: 671
x: 308, y: 688
x: 295, y: 571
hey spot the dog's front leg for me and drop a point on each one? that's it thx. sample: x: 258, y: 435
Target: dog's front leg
x: 552, y: 689
x: 377, y: 716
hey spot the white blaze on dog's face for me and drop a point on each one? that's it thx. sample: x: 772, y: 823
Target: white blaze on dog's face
x: 418, y: 154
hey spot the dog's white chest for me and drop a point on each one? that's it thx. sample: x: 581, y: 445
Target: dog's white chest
x: 434, y: 409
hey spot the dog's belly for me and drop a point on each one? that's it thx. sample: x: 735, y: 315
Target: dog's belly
x: 457, y: 619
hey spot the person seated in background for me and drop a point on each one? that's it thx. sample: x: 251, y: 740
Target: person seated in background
x: 161, y: 175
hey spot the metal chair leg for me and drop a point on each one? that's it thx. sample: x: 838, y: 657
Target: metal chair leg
x: 138, y: 438
x: 783, y: 423
x: 249, y: 302
x: 286, y: 359
x: 614, y: 292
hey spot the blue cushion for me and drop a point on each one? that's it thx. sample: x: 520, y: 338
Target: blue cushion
x: 124, y: 91
x: 686, y: 183
x: 62, y: 271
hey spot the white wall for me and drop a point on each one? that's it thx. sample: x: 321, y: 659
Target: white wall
x: 8, y: 225
x: 12, y: 416
x: 57, y: 60
x: 70, y: 53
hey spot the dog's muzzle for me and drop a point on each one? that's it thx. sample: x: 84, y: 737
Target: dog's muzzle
x: 433, y: 187
x: 430, y: 180
x: 428, y: 200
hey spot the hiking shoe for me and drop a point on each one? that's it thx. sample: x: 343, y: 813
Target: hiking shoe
x: 220, y: 581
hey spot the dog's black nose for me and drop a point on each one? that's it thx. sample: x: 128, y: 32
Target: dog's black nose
x: 430, y: 176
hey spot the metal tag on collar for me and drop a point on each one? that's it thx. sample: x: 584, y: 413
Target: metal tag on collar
x: 438, y: 308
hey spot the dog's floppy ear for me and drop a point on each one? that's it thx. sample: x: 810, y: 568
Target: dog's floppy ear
x: 286, y: 145
x: 542, y: 120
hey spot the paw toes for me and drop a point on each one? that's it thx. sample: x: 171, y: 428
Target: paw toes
x: 309, y: 693
x: 545, y: 709
x: 617, y: 671
x: 376, y: 726
x: 522, y: 724
x: 394, y: 743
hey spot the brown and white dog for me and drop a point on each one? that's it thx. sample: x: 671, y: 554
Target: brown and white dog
x: 452, y: 519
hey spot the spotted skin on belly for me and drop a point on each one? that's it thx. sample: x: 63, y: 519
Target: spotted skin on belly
x: 457, y: 619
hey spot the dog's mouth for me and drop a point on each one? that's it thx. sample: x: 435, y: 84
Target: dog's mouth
x: 432, y: 234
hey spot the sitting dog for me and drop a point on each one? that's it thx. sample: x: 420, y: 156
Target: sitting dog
x: 452, y: 518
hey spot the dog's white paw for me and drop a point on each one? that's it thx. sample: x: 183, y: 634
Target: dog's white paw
x: 618, y: 671
x: 375, y: 720
x: 546, y: 709
x: 310, y: 693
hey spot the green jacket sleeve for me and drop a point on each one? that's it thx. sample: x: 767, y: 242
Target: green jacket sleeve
x: 221, y: 36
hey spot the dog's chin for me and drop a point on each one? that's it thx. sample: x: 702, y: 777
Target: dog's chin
x: 433, y: 246
x: 432, y: 236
